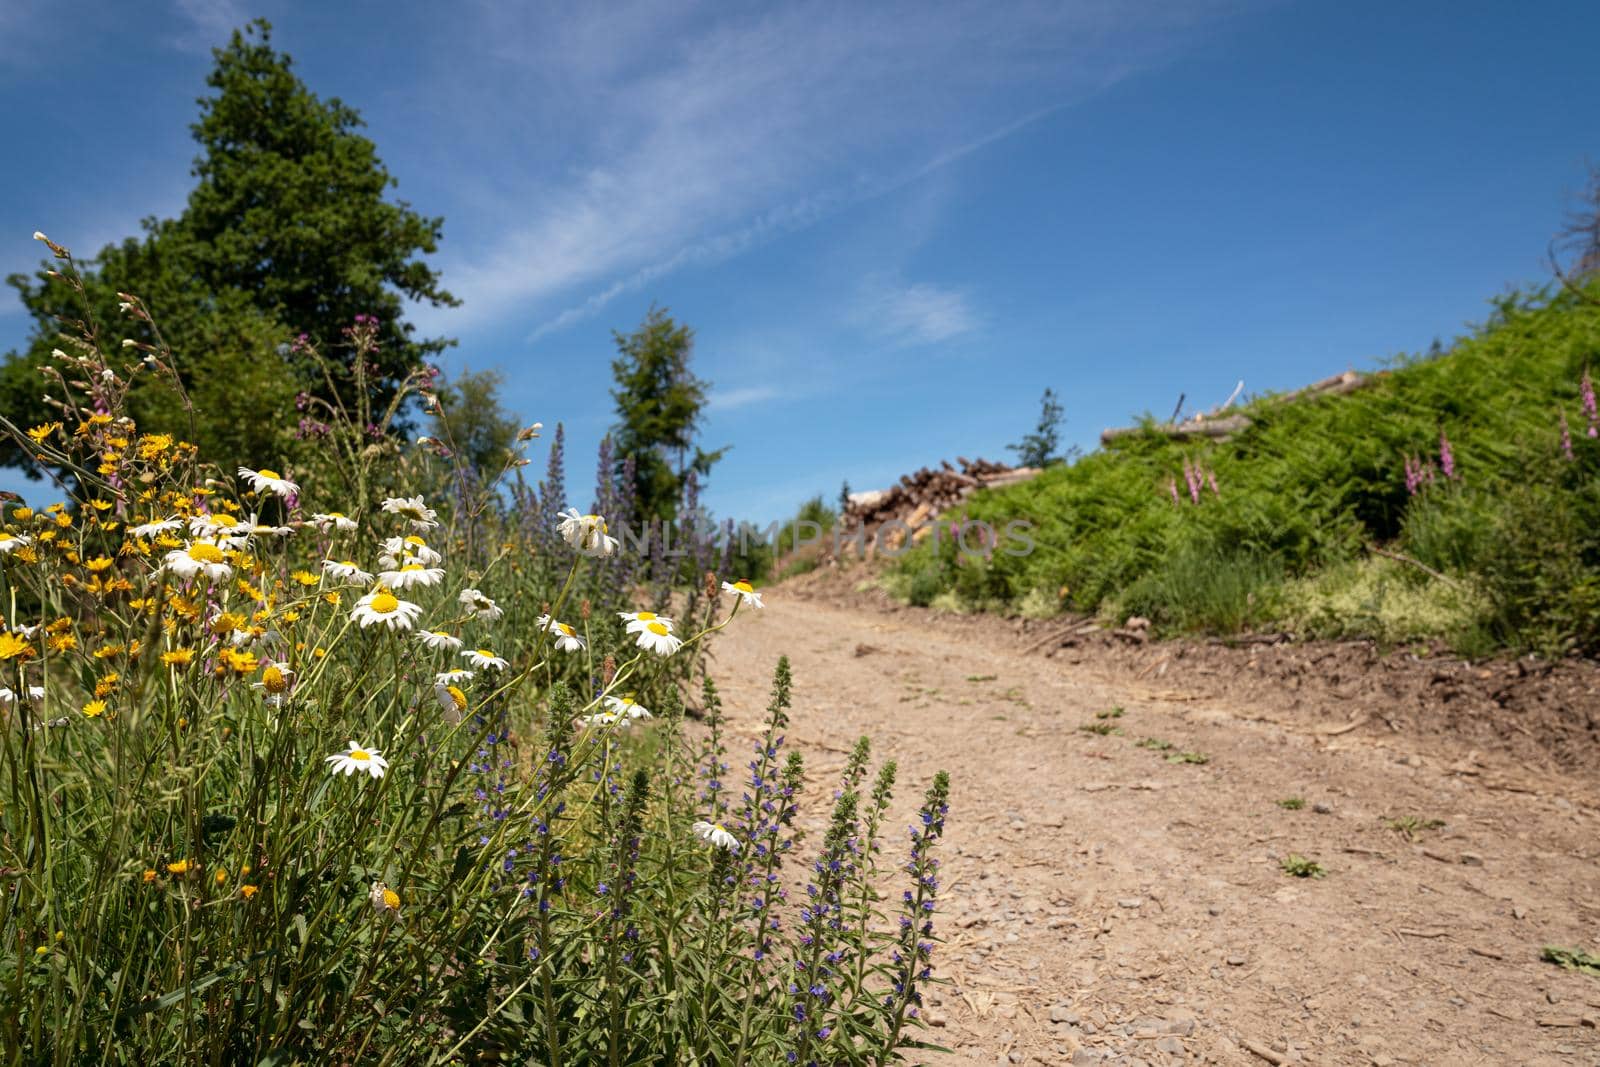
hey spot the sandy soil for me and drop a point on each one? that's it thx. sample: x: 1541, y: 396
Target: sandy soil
x: 1105, y: 905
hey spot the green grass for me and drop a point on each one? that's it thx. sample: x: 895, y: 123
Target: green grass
x: 1101, y: 728
x: 1506, y: 555
x: 1197, y: 758
x: 1292, y: 803
x: 1155, y: 744
x: 1110, y: 713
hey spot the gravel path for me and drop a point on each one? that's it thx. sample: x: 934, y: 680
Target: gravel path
x: 1105, y: 904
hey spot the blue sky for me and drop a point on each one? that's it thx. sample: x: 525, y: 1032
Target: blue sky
x: 891, y: 225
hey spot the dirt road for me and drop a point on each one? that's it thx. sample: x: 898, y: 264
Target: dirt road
x: 1108, y: 903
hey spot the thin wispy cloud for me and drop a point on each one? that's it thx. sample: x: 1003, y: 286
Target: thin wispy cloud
x: 918, y: 313
x: 660, y: 135
x: 205, y: 23
x: 734, y: 399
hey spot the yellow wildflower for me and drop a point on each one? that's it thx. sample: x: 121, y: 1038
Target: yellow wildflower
x: 94, y: 709
x: 178, y: 657
x: 248, y: 891
x: 178, y: 867
x: 99, y: 564
x: 12, y: 646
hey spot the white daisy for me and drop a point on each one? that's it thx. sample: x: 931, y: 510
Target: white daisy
x: 333, y: 520
x: 265, y: 481
x: 384, y: 900
x: 199, y: 557
x: 411, y: 575
x: 275, y: 684
x: 412, y: 509
x: 398, y: 550
x: 346, y: 571
x: 9, y: 543
x: 638, y: 620
x: 604, y: 718
x: 479, y: 606
x: 453, y: 677
x: 627, y: 707
x: 716, y: 834
x: 744, y: 591
x: 383, y: 608
x: 567, y: 639
x: 439, y: 640
x: 254, y: 528
x: 452, y: 701
x: 658, y: 638
x: 586, y: 533
x: 484, y: 660
x: 145, y: 531
x: 34, y: 694
x: 212, y: 524
x: 357, y: 758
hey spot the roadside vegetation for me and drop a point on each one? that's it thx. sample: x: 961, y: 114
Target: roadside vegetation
x: 1455, y: 497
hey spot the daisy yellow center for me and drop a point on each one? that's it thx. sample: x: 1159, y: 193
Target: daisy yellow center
x: 411, y: 567
x: 264, y: 473
x: 224, y: 521
x: 658, y: 629
x: 645, y: 616
x: 566, y: 629
x: 627, y: 702
x: 384, y: 603
x: 415, y: 540
x: 352, y: 564
x: 360, y: 755
x: 336, y: 515
x: 485, y: 653
x: 391, y: 899
x: 205, y: 553
x: 457, y: 697
x: 4, y: 537
x: 410, y: 511
x: 273, y: 681
x: 441, y: 634
x: 744, y: 586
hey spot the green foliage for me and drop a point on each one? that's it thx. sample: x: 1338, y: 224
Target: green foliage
x: 1304, y: 491
x: 286, y: 233
x: 1571, y: 959
x: 1300, y: 867
x: 660, y: 405
x: 1038, y: 449
x: 1292, y: 803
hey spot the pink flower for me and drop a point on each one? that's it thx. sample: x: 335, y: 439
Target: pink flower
x: 1447, y: 459
x: 1586, y: 390
x: 1566, y: 437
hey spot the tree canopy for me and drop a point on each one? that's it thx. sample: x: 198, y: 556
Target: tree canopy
x: 660, y: 406
x: 286, y: 234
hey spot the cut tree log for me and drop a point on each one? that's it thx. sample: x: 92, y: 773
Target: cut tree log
x: 1216, y: 426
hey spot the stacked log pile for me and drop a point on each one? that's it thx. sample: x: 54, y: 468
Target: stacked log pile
x: 918, y: 498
